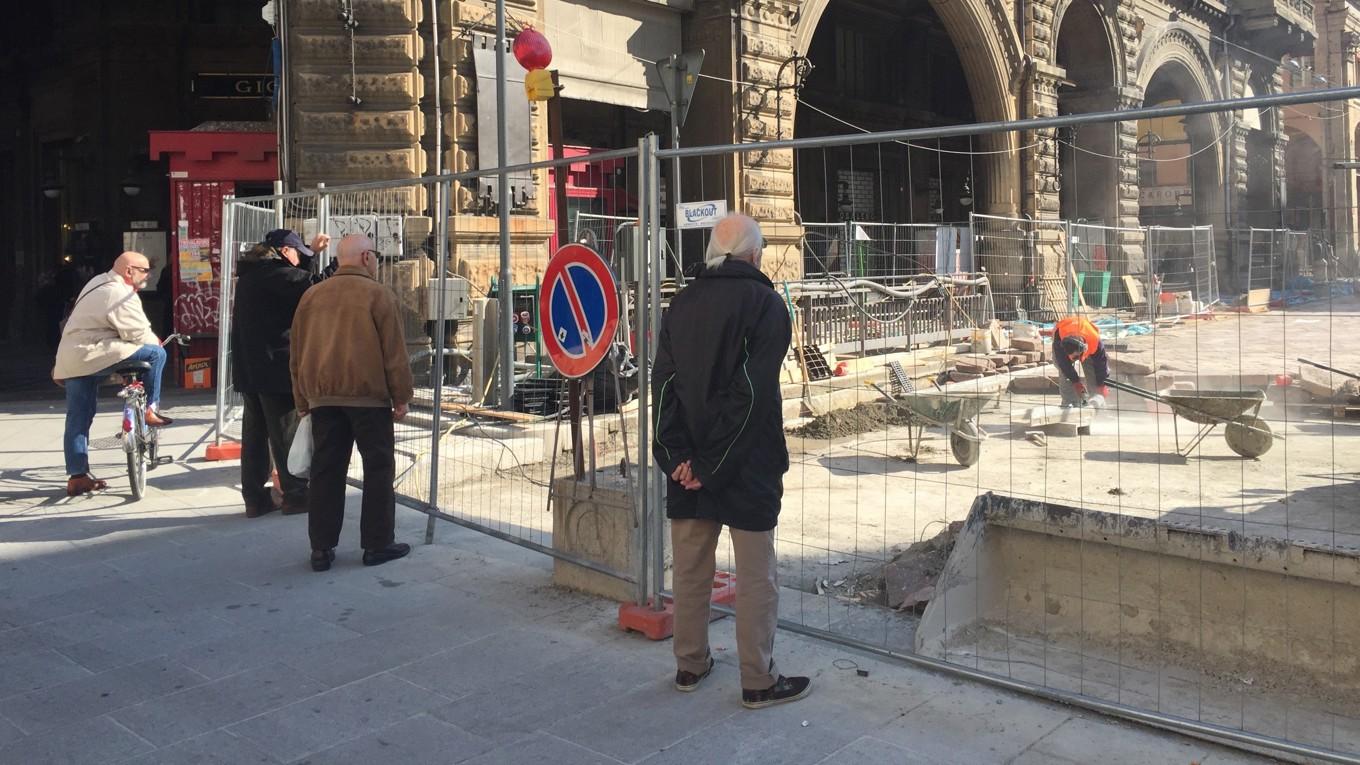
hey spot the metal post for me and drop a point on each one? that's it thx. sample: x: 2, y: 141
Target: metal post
x: 323, y: 224
x: 679, y: 88
x: 284, y: 103
x: 441, y: 194
x: 655, y: 263
x: 645, y: 474
x: 224, y: 316
x: 278, y: 204
x: 507, y: 300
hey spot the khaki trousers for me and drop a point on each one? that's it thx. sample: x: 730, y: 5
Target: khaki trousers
x: 694, y: 543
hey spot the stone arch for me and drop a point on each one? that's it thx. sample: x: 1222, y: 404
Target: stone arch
x: 989, y: 52
x: 1087, y: 53
x: 1113, y: 39
x: 1175, y: 67
x: 1177, y: 44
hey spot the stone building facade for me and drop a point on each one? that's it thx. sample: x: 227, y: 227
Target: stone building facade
x: 1018, y: 58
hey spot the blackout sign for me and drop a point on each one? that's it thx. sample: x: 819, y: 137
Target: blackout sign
x: 234, y: 86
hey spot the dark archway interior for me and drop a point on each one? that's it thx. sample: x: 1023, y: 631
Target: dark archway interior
x: 884, y: 66
x: 1303, y: 178
x: 1088, y: 172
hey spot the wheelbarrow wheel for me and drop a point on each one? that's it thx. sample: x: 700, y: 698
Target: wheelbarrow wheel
x: 1248, y: 436
x: 966, y: 443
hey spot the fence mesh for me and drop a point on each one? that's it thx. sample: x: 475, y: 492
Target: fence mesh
x: 1184, y: 550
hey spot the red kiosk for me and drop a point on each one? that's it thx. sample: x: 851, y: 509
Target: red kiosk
x: 205, y: 167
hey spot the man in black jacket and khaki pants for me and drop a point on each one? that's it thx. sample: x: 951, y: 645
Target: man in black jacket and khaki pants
x: 720, y: 438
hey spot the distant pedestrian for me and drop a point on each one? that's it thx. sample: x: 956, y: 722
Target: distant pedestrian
x: 351, y: 375
x: 720, y: 438
x: 271, y: 280
x: 105, y: 327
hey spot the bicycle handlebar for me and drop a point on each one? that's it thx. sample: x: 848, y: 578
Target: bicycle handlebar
x: 180, y: 339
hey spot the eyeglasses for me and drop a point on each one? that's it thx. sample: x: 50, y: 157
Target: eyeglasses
x: 139, y: 268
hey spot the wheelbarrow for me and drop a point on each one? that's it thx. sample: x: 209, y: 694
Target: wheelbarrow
x: 1246, y: 433
x: 957, y: 413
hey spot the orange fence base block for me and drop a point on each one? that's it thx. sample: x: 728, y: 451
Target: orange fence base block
x: 655, y: 625
x: 227, y: 450
x: 659, y: 625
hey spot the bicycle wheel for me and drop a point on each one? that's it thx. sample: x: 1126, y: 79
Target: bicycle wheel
x: 136, y: 456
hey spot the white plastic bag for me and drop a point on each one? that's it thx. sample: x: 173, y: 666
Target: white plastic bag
x: 300, y: 453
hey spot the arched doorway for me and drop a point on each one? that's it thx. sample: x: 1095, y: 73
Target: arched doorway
x: 1303, y: 164
x: 1179, y: 167
x: 884, y: 65
x: 1089, y: 189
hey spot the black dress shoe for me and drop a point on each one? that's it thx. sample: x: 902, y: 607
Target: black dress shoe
x: 688, y: 681
x: 784, y: 690
x: 384, y: 554
x: 322, y: 559
x: 294, y: 506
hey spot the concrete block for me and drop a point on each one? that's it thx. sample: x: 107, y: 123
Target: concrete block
x: 1034, y: 384
x: 1027, y: 344
x: 959, y: 375
x: 599, y: 525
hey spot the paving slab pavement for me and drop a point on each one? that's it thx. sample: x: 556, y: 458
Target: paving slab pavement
x: 175, y: 630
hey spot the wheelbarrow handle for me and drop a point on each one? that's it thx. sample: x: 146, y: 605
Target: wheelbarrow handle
x: 1137, y: 391
x: 1343, y: 373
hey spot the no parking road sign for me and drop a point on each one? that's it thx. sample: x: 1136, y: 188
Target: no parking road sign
x: 578, y: 308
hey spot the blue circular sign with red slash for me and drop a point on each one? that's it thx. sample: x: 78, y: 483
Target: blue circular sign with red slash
x: 578, y: 308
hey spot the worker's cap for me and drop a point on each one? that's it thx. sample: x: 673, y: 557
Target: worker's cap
x: 282, y: 237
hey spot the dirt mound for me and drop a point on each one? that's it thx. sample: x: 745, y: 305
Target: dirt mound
x: 865, y: 418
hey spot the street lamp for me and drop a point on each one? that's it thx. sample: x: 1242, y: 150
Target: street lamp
x: 51, y: 188
x: 966, y: 198
x: 131, y: 186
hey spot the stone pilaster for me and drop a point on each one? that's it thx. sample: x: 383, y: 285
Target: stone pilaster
x: 1040, y: 162
x: 1130, y: 238
x: 335, y: 140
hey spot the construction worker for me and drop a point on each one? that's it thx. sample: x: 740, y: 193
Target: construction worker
x: 1077, y: 341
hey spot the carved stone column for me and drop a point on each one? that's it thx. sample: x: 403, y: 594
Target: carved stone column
x: 1130, y: 238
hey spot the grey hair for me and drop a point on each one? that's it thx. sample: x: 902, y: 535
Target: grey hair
x: 736, y: 235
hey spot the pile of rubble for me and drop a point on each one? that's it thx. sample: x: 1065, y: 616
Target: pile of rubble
x: 1021, y: 353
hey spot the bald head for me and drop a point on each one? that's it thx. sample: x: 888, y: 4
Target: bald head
x: 737, y: 236
x: 358, y: 250
x: 133, y: 268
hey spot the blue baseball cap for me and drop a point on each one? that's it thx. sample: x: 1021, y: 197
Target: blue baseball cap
x: 282, y: 237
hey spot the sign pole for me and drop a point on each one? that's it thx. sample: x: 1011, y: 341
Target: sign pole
x: 677, y: 89
x: 563, y: 233
x: 507, y: 298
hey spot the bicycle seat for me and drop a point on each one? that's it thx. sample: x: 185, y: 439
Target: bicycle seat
x: 132, y: 367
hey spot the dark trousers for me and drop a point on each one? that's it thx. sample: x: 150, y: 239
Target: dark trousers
x: 267, y: 428
x: 335, y: 431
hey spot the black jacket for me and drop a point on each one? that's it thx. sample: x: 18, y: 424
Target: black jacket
x: 717, y: 397
x: 267, y: 295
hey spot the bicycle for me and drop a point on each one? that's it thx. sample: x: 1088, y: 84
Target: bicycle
x: 140, y: 441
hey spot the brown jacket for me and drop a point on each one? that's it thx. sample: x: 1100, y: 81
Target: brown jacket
x: 347, y: 345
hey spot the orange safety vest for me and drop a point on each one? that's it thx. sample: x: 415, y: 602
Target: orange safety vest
x: 1080, y: 326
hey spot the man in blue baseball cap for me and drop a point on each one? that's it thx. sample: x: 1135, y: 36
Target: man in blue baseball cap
x: 271, y: 279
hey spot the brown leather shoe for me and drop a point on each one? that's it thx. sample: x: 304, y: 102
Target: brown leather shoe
x: 294, y: 506
x: 77, y: 485
x: 255, y: 510
x: 157, y: 420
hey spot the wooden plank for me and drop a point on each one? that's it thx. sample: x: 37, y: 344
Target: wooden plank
x: 1134, y: 289
x: 495, y: 414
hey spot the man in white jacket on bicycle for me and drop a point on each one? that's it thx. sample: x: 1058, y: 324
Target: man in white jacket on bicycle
x: 107, y: 327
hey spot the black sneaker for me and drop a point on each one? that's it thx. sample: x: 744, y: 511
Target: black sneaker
x: 688, y: 681
x: 322, y: 559
x: 784, y: 690
x: 385, y: 554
